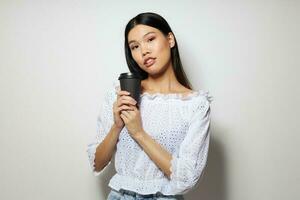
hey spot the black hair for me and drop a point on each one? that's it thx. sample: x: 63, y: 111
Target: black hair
x: 158, y: 22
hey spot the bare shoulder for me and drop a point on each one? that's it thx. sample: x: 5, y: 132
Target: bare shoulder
x: 184, y: 90
x: 180, y: 89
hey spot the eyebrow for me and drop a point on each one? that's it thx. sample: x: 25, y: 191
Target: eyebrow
x: 131, y: 41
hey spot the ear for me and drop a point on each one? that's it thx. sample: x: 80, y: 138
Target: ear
x: 171, y: 40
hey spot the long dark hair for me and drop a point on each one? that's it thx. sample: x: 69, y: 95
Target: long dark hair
x: 158, y: 22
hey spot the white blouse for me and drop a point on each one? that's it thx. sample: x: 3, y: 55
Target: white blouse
x: 180, y: 124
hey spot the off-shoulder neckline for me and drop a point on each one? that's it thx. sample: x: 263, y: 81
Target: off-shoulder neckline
x: 182, y: 96
x: 178, y: 96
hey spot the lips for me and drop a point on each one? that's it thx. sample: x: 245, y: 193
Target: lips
x: 149, y: 61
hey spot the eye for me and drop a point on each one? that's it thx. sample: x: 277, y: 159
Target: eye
x: 151, y: 39
x: 134, y: 46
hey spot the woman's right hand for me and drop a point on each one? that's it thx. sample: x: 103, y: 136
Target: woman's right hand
x: 122, y: 103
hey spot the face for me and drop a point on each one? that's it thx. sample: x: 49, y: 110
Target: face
x: 150, y: 49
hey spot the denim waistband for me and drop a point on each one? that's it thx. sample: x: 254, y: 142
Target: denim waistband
x: 134, y: 194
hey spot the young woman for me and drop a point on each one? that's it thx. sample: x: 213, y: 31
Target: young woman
x: 161, y: 148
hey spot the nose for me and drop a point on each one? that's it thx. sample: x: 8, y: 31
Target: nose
x: 144, y: 49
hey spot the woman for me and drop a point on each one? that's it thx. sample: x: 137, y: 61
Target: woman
x: 161, y: 148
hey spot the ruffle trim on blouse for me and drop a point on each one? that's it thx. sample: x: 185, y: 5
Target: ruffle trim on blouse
x: 91, y: 156
x: 179, y: 96
x: 91, y: 150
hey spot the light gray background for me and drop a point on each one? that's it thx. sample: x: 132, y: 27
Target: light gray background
x: 57, y: 58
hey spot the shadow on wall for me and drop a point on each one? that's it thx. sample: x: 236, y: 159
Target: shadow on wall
x: 212, y: 185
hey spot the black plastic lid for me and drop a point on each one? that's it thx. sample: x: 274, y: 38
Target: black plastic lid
x: 129, y: 75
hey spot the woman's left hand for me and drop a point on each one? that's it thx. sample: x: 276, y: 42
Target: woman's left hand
x: 132, y: 120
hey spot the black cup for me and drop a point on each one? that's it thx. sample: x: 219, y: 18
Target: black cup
x: 131, y: 82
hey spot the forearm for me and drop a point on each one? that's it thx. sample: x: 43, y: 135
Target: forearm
x: 106, y: 148
x: 160, y: 156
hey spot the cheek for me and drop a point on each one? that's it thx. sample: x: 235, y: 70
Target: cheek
x: 164, y: 51
x: 135, y: 57
x: 158, y: 47
x: 138, y: 59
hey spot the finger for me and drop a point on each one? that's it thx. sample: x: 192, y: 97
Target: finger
x: 129, y: 98
x: 133, y: 107
x: 126, y: 114
x: 124, y: 117
x: 126, y: 100
x: 123, y: 92
x: 124, y: 107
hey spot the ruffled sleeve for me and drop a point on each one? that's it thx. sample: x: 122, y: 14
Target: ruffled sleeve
x: 189, y: 161
x: 103, y: 125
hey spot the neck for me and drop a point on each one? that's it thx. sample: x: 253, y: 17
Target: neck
x: 165, y: 82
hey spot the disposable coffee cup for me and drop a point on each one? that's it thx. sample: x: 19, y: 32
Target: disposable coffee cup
x: 131, y: 82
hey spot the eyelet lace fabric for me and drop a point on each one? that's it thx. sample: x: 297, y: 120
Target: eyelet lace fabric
x: 179, y: 123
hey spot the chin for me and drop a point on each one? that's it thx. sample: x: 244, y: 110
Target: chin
x: 155, y: 71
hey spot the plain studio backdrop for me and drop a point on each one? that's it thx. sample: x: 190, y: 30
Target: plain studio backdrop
x: 58, y: 58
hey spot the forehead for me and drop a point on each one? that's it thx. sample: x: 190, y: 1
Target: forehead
x: 140, y: 30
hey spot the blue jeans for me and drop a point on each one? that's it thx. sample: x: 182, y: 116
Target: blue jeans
x: 129, y: 195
